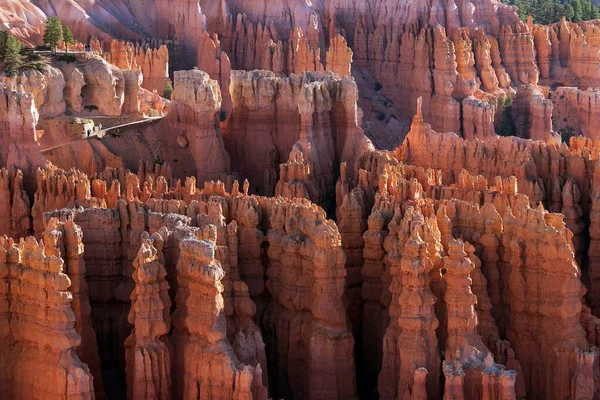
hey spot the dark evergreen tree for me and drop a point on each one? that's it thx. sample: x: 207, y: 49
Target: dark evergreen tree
x: 53, y: 33
x: 551, y: 11
x: 3, y: 43
x: 12, y: 55
x: 67, y: 37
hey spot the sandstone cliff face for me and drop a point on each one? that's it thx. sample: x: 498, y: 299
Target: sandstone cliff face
x: 46, y: 88
x: 193, y: 116
x: 313, y: 114
x: 575, y: 112
x: 152, y: 62
x: 24, y: 20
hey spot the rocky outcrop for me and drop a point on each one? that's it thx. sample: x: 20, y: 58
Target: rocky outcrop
x: 18, y: 144
x: 576, y: 112
x: 104, y: 87
x: 533, y: 114
x: 152, y: 62
x: 313, y: 114
x: 45, y: 87
x: 75, y: 81
x: 477, y: 119
x: 193, y: 120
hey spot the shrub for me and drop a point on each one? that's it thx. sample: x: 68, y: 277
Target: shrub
x: 77, y: 120
x: 168, y: 91
x: 223, y: 116
x: 567, y: 133
x: 67, y: 58
x: 504, y: 112
x: 39, y: 66
x: 378, y: 86
x: 30, y: 56
x: 381, y: 115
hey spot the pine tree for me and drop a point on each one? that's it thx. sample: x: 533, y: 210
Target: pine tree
x: 67, y: 37
x: 12, y: 56
x: 570, y: 13
x: 53, y: 33
x: 577, y: 10
x: 551, y: 11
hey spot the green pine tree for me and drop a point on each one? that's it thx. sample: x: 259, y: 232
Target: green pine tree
x: 12, y: 56
x: 67, y: 37
x: 551, y: 11
x: 53, y: 33
x: 570, y: 13
x: 577, y: 10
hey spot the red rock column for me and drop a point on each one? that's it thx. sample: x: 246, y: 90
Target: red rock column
x: 194, y: 113
x: 464, y: 345
x: 296, y: 179
x: 486, y: 326
x: 7, y: 251
x: 418, y: 340
x: 204, y: 364
x: 14, y: 204
x: 148, y: 355
x: 491, y: 259
x: 571, y: 209
x: 351, y: 226
x: 65, y: 239
x: 375, y: 315
x: 593, y: 294
x: 306, y: 277
x: 43, y: 363
x: 250, y: 267
x: 331, y: 371
x: 388, y: 377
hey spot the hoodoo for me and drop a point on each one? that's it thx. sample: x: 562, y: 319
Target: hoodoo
x: 330, y: 200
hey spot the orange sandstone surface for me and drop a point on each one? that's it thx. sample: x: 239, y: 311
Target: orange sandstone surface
x: 340, y: 199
